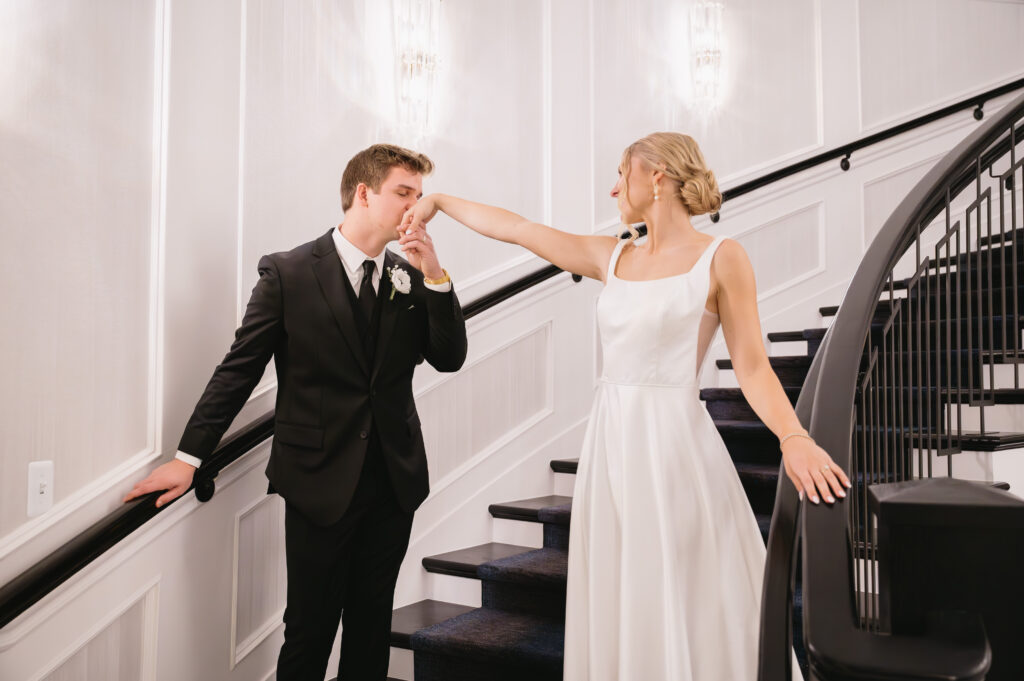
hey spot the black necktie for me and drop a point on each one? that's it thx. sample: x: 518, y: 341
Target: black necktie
x: 367, y: 296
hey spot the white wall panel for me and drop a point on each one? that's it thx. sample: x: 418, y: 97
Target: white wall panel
x: 76, y: 202
x: 119, y: 647
x: 318, y: 89
x: 459, y: 423
x: 115, y: 654
x: 786, y: 249
x: 260, y: 583
x: 883, y: 194
x: 918, y: 54
x: 771, y: 102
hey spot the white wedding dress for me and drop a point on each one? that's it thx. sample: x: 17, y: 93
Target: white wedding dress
x: 666, y: 560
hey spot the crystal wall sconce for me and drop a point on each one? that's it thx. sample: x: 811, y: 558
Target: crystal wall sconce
x: 417, y: 34
x: 706, y: 52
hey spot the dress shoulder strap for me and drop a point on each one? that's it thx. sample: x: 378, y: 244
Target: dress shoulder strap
x: 709, y: 253
x: 610, y: 274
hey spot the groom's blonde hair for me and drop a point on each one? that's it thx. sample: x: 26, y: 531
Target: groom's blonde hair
x: 371, y: 165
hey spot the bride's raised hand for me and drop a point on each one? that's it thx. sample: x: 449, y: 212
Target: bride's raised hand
x: 812, y: 470
x: 420, y: 214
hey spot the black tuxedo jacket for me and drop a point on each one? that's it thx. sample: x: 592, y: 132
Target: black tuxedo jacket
x: 329, y: 394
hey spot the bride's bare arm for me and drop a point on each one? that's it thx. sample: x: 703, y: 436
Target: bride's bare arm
x: 809, y: 467
x: 579, y: 254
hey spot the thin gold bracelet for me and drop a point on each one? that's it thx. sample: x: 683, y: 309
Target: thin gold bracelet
x: 783, y: 440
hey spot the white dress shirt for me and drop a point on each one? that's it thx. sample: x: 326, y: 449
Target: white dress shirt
x: 352, y: 259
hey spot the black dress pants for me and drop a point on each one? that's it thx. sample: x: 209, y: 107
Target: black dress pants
x: 345, y: 571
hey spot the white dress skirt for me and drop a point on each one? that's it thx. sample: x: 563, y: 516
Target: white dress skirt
x: 666, y: 561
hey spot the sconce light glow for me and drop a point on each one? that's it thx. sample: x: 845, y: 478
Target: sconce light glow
x: 706, y: 51
x: 417, y: 28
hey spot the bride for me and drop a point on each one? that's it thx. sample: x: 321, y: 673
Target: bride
x: 665, y: 558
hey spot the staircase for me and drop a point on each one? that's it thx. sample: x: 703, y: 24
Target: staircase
x: 518, y: 632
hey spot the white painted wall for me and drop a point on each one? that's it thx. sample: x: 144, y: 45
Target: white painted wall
x: 153, y: 150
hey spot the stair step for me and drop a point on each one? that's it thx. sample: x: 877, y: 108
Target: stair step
x: 531, y: 583
x: 465, y: 562
x: 749, y: 441
x: 759, y: 482
x: 737, y: 394
x: 490, y: 644
x: 786, y: 336
x: 806, y: 334
x: 730, y: 403
x: 409, y: 619
x: 546, y: 567
x: 527, y: 509
x: 564, y: 465
x: 988, y: 397
x: 790, y: 369
x: 764, y: 523
x: 802, y: 361
x: 994, y: 441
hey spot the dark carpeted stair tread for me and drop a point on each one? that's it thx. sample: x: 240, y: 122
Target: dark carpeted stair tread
x: 540, y: 567
x: 464, y: 562
x: 556, y: 515
x: 497, y: 637
x: 409, y: 619
x: 738, y: 426
x: 527, y: 509
x: 758, y: 471
x: 564, y: 465
x: 731, y: 403
x: 764, y: 523
x: 777, y: 361
x: 760, y: 481
x: 792, y: 392
x: 786, y: 336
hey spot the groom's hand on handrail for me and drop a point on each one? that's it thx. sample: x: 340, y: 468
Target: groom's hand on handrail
x: 174, y: 476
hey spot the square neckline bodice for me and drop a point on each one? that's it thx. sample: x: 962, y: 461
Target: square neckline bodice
x: 621, y: 248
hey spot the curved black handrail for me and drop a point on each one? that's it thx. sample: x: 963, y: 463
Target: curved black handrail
x: 838, y: 649
x: 31, y: 586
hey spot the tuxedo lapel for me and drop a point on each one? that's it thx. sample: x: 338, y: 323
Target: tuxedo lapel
x: 389, y: 309
x: 329, y: 272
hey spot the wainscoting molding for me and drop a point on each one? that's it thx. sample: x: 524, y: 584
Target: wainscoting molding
x: 55, y: 602
x: 519, y: 369
x: 127, y: 634
x: 36, y: 536
x: 790, y: 276
x: 920, y: 51
x: 259, y: 582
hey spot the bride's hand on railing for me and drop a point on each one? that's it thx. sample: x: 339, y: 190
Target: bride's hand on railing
x: 812, y: 470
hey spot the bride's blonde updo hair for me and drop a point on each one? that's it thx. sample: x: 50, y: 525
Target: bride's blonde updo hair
x: 679, y: 157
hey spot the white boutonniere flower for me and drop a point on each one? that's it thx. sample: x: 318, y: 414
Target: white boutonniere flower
x: 400, y: 281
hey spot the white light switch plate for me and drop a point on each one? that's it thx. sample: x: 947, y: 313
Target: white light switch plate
x: 40, y: 487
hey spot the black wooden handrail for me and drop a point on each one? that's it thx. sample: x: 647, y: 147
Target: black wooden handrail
x: 838, y: 648
x: 31, y: 586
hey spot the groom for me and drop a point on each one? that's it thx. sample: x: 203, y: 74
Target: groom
x: 346, y: 322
